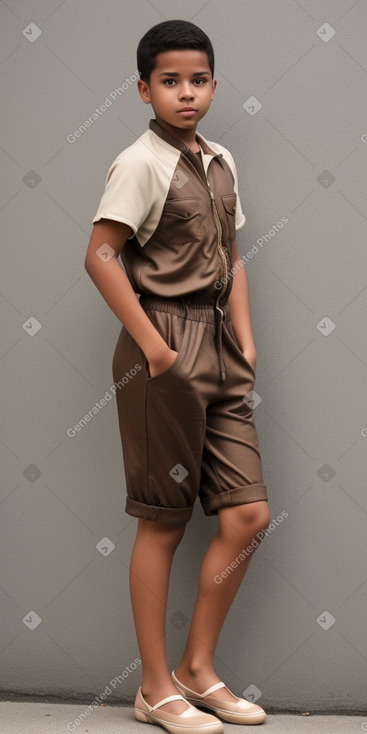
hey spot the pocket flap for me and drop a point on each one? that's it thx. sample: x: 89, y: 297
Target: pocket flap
x: 185, y: 208
x: 229, y: 203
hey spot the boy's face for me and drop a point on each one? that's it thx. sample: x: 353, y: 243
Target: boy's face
x: 181, y: 78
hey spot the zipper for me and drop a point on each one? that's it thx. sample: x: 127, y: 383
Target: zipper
x: 224, y: 256
x: 221, y: 250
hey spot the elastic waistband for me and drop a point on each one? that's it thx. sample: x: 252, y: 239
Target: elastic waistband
x: 188, y: 308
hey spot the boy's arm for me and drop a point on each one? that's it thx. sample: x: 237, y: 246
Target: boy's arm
x: 239, y: 306
x: 113, y: 284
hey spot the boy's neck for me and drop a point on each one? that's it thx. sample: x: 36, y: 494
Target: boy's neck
x: 186, y: 136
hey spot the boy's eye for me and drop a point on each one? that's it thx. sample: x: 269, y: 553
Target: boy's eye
x: 167, y: 82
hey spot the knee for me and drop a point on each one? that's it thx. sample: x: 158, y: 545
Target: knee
x: 258, y: 515
x: 246, y: 519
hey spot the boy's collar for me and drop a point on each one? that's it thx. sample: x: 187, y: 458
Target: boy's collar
x: 162, y: 133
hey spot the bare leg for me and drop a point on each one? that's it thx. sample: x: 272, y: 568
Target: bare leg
x: 150, y: 567
x: 238, y: 527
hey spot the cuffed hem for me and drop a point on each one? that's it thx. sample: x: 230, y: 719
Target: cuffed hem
x: 168, y: 515
x: 233, y: 497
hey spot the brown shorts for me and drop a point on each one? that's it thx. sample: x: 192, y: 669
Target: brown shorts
x: 189, y: 430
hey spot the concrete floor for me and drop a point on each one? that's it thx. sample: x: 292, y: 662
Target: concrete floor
x: 60, y: 718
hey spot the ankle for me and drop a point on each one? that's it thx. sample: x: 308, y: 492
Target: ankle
x: 196, y: 667
x: 150, y: 686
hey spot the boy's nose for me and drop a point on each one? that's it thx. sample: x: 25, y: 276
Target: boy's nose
x: 186, y: 92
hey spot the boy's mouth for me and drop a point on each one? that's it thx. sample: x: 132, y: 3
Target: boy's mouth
x: 186, y: 111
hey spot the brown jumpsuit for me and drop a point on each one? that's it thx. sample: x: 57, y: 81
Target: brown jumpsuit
x: 190, y: 430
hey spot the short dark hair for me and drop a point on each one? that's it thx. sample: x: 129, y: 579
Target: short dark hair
x: 168, y: 36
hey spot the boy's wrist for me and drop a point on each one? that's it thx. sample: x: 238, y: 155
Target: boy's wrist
x: 250, y: 354
x: 157, y: 349
x: 251, y: 357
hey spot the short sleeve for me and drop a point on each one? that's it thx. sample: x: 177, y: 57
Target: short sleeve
x: 240, y: 217
x: 127, y: 196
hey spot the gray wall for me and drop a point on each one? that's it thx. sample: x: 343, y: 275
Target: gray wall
x: 297, y: 629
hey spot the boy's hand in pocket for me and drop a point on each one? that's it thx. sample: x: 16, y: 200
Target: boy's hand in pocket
x: 161, y: 360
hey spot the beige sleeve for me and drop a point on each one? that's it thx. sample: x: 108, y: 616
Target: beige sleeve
x: 128, y: 193
x: 240, y: 217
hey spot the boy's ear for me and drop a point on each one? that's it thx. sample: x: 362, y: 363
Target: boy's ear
x: 214, y: 88
x: 143, y: 89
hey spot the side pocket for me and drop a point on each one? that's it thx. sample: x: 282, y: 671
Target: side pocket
x: 232, y: 334
x: 178, y: 344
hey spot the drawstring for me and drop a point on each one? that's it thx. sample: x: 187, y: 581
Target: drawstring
x: 218, y: 319
x: 219, y: 316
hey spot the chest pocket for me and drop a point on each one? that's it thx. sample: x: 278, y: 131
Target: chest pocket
x: 182, y: 221
x: 229, y: 204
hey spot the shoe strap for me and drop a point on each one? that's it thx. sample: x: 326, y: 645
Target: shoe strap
x: 175, y: 697
x: 211, y: 689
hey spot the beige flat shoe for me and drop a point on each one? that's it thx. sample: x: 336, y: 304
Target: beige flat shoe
x: 240, y: 712
x: 190, y: 720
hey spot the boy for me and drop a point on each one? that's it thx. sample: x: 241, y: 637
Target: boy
x: 184, y: 361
